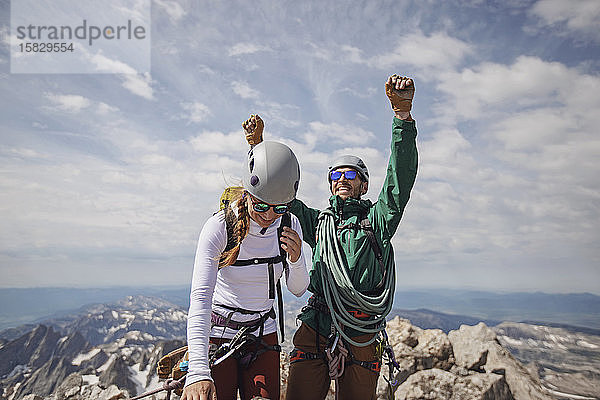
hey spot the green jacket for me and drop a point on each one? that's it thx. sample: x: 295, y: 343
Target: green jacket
x: 384, y: 215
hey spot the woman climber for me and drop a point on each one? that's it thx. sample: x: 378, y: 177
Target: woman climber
x: 242, y: 252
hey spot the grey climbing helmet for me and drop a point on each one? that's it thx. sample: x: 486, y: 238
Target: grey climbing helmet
x: 349, y: 162
x: 272, y: 173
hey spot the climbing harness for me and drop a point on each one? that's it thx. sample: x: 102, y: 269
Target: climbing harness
x: 244, y: 346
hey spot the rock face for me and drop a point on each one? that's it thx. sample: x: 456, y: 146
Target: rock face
x: 38, y: 361
x: 522, y: 384
x: 466, y: 364
x: 121, y: 361
x: 444, y: 385
x: 566, y: 361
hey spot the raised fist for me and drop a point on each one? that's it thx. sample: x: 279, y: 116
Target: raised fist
x: 253, y: 127
x: 400, y: 90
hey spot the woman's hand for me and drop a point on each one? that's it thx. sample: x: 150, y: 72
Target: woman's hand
x: 291, y: 243
x: 201, y: 390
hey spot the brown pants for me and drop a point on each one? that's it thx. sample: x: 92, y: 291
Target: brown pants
x: 309, y: 379
x: 260, y: 378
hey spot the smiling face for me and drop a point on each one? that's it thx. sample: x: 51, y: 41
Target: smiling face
x: 346, y: 188
x: 264, y: 219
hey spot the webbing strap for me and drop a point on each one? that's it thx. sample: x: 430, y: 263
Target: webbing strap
x: 220, y: 320
x: 300, y: 355
x: 259, y: 260
x: 374, y: 366
x: 286, y: 220
x: 366, y: 226
x: 272, y: 281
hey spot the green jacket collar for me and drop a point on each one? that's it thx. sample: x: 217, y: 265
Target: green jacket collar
x: 349, y: 206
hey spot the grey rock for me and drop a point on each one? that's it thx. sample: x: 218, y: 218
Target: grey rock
x: 112, y: 393
x: 47, y: 378
x: 565, y: 360
x: 402, y: 331
x: 442, y: 385
x: 521, y: 383
x: 70, y: 387
x: 33, y: 396
x: 468, y: 354
x: 34, y: 349
x: 435, y: 350
x: 118, y: 374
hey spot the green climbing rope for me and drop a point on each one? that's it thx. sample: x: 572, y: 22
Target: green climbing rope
x: 339, y: 292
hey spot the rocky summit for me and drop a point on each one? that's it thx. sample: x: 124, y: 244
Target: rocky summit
x: 111, y: 351
x: 467, y: 364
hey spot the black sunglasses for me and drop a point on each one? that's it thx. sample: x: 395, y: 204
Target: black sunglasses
x: 335, y: 175
x: 264, y: 207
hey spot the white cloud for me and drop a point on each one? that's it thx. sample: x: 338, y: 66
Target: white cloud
x: 39, y: 125
x: 529, y: 81
x: 217, y: 142
x: 447, y: 156
x: 531, y: 130
x: 104, y: 108
x: 246, y: 48
x: 244, y: 90
x: 69, y: 103
x: 139, y: 85
x: 195, y: 112
x: 26, y: 153
x: 173, y: 9
x: 105, y: 64
x: 436, y: 51
x: 336, y: 133
x: 353, y: 54
x: 577, y: 16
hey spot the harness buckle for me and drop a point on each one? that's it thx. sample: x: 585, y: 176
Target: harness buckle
x: 374, y: 366
x: 297, y: 355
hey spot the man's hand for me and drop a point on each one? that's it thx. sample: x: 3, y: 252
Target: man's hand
x: 400, y: 90
x: 201, y: 390
x: 254, y: 130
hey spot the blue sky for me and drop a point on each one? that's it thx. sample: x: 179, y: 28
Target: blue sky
x: 106, y: 179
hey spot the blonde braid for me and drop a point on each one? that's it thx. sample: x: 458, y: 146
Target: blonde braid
x: 240, y: 232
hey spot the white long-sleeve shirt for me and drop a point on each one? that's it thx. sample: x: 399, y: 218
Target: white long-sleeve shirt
x: 245, y: 287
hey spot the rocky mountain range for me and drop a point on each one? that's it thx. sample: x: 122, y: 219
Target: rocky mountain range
x: 110, y: 351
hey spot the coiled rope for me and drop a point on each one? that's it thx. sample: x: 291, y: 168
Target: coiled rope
x: 339, y: 292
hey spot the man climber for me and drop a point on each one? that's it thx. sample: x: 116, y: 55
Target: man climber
x: 353, y: 275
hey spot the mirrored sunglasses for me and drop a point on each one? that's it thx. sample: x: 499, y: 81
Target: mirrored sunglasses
x: 350, y: 174
x: 264, y: 207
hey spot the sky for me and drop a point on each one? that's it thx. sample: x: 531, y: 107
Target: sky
x: 107, y: 178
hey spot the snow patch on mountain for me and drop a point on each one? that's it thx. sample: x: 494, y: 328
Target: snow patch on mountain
x: 79, y: 358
